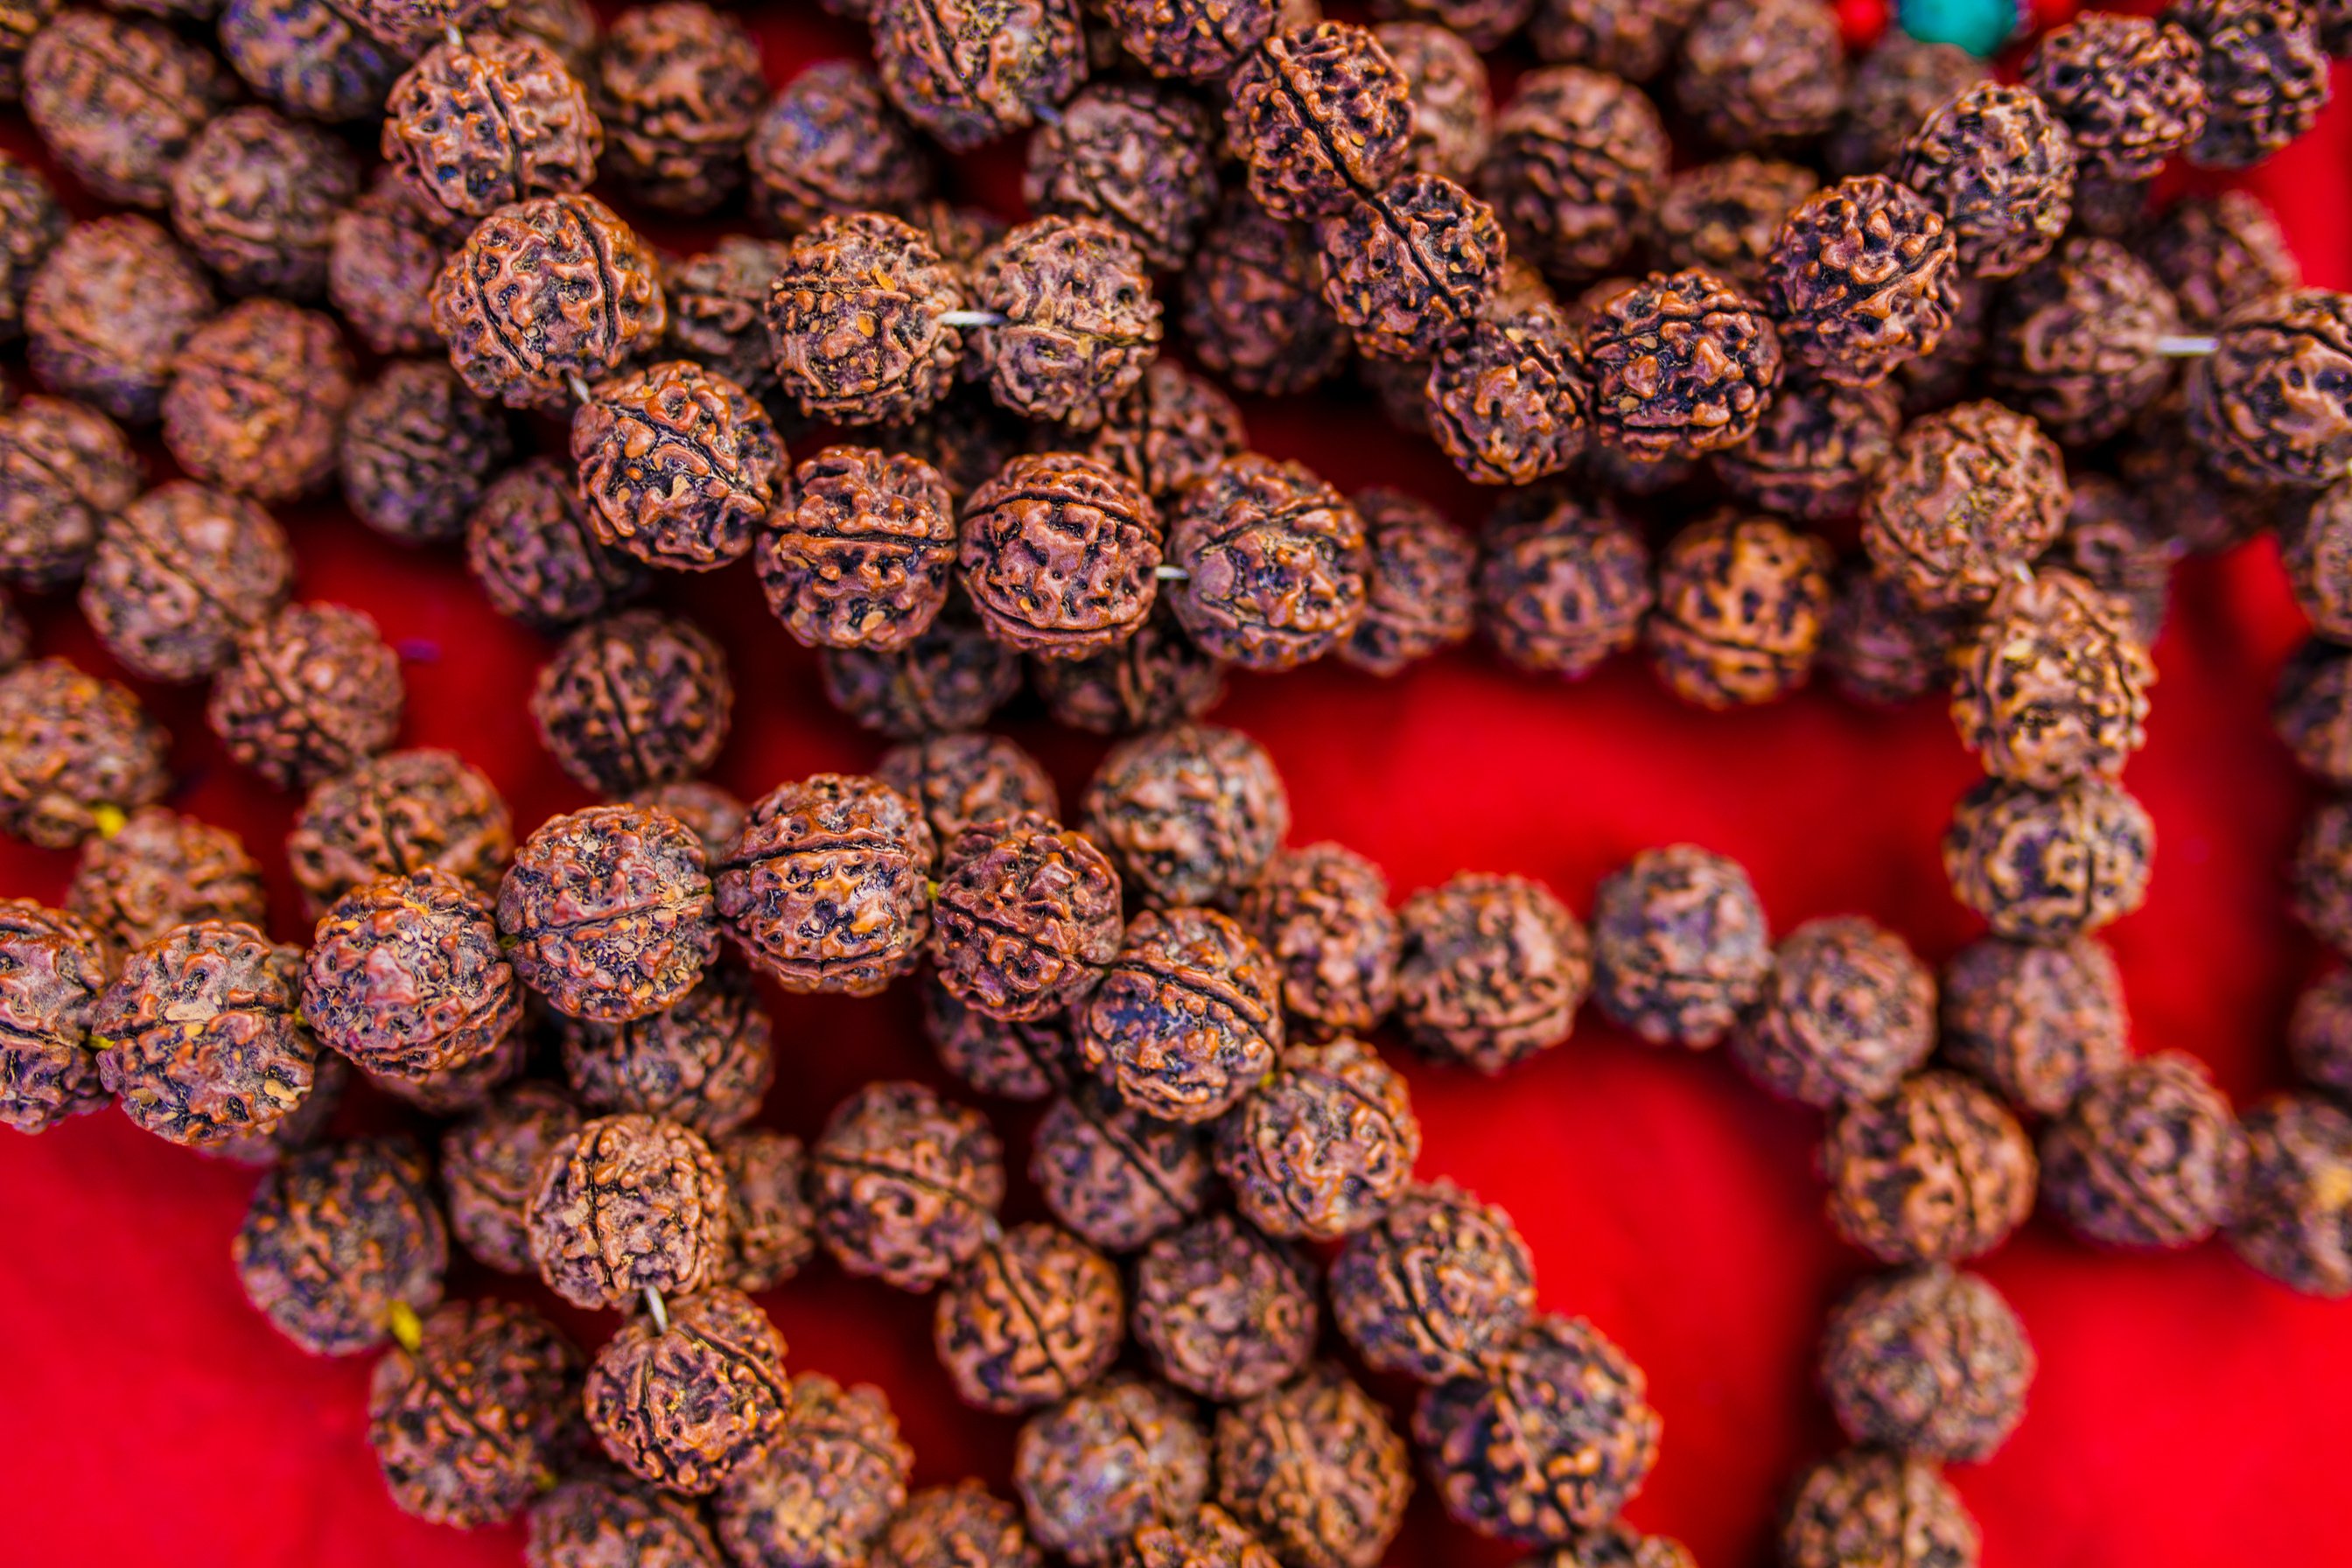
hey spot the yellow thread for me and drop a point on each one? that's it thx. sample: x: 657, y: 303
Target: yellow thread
x: 406, y: 1331
x: 110, y: 820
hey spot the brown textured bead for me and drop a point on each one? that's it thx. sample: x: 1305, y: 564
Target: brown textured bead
x: 1938, y: 1171
x: 1506, y: 398
x: 31, y: 224
x: 381, y: 259
x: 1934, y: 381
x: 1138, y: 158
x: 1722, y: 217
x: 418, y: 450
x: 1969, y: 496
x: 2315, y: 548
x: 1576, y: 165
x: 457, y: 1090
x: 1420, y: 571
x: 1860, y: 280
x: 1113, y: 1175
x: 1155, y: 678
x: 772, y: 1226
x: 179, y: 575
x: 1315, y: 1469
x: 118, y: 100
x: 1436, y: 1287
x: 339, y: 1237
x: 1013, y: 1060
x: 1035, y: 1316
x: 1616, y: 1546
x: 2075, y: 341
x: 313, y: 691
x: 959, y: 1526
x: 489, y: 1168
x: 715, y: 300
x: 394, y: 814
x: 1171, y: 429
x: 1253, y: 309
x: 1681, y: 364
x: 1209, y: 1538
x: 906, y: 1184
x: 861, y: 558
x: 969, y: 71
x: 1930, y: 1361
x: 105, y: 314
x: 403, y: 976
x: 1325, y: 1146
x: 705, y: 1061
x: 2112, y: 541
x: 1756, y: 73
x: 1816, y: 452
x: 1445, y: 82
x: 1563, y: 581
x: 2265, y: 76
x: 630, y: 1203
x: 52, y: 972
x: 965, y: 780
x: 967, y: 438
x: 1491, y: 970
x: 2148, y: 1156
x: 160, y: 870
x: 2126, y: 87
x: 2045, y: 866
x: 2000, y: 168
x: 407, y: 26
x: 687, y: 1400
x: 1198, y: 40
x: 1848, y: 1012
x: 1190, y: 813
x: 309, y: 57
x: 255, y: 198
x: 1680, y: 945
x: 713, y: 814
x: 677, y: 87
x: 2273, y: 404
x: 1080, y: 323
x: 830, y: 142
x: 529, y: 545
x: 567, y: 27
x: 1321, y: 913
x: 20, y: 24
x: 1058, y: 553
x: 826, y: 886
x: 73, y: 748
x: 2312, y: 710
x: 257, y: 400
x: 854, y: 318
x: 2038, y: 1022
x: 2054, y: 684
x: 951, y: 677
x: 1273, y: 559
x: 483, y: 121
x: 2218, y: 251
x: 1896, y: 89
x: 476, y: 1421
x: 610, y: 1522
x: 1188, y: 1018
x: 1321, y: 115
x: 1403, y: 267
x: 2291, y: 1221
x: 1866, y: 1507
x: 1482, y: 24
x: 633, y: 699
x: 823, y: 1492
x: 610, y: 912
x: 302, y: 1126
x: 1224, y: 1312
x: 1027, y: 918
x: 677, y: 466
x: 544, y: 291
x: 1094, y: 1469
x: 1741, y: 604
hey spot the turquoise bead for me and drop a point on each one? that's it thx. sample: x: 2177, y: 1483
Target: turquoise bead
x: 1980, y: 27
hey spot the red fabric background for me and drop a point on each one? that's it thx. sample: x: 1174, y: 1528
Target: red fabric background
x: 2187, y: 1414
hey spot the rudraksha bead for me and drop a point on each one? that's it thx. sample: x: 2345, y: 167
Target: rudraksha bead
x: 2265, y: 74
x: 705, y: 1061
x: 118, y: 100
x: 1491, y: 970
x: 1155, y: 678
x: 179, y: 575
x: 857, y: 319
x: 1190, y: 813
x: 1896, y: 89
x: 906, y: 1184
x: 1321, y: 115
x: 567, y: 27
x: 1013, y: 1060
x: 400, y: 812
x: 1027, y: 918
x: 823, y: 1492
x: 2038, y: 1022
x: 2312, y: 710
x: 2075, y: 341
x: 826, y: 889
x: 2273, y: 404
x: 1969, y: 496
x: 1741, y: 604
x: 1628, y: 38
x: 951, y: 677
x: 968, y: 72
x: 1096, y: 1469
x: 1421, y: 566
x: 407, y: 26
x: 1551, y: 1435
x: 1324, y: 1147
x: 487, y: 121
x: 1758, y: 73
x: 313, y: 691
x: 1616, y: 1546
x: 1817, y: 451
x: 606, y: 1521
x: 1140, y: 159
x: 308, y: 57
x: 1315, y: 1469
x: 1445, y: 82
x: 772, y: 1226
x: 1507, y: 399
x: 1197, y: 41
x: 382, y: 260
x: 489, y: 1168
x: 969, y: 780
x: 160, y: 870
x: 1405, y: 266
x: 529, y: 545
x: 2291, y: 1221
x: 1868, y: 1507
x: 861, y: 557
x: 1171, y: 429
x: 74, y: 751
x: 714, y: 815
x: 1482, y: 24
x: 633, y: 699
x: 1035, y: 1316
x: 404, y: 977
x: 1058, y: 553
x: 1078, y: 325
x: 301, y: 1127
x: 1860, y: 280
x: 686, y: 1399
x: 1321, y: 913
x: 255, y: 198
x: 1997, y: 166
x: 1935, y: 381
x: 2126, y: 87
x: 105, y: 314
x: 1847, y: 1014
x: 31, y: 224
x: 2315, y: 548
x: 257, y: 400
x: 544, y: 291
x: 1931, y: 1362
x: 418, y: 450
x: 1680, y: 945
x: 829, y: 143
x: 2148, y: 1156
x: 1113, y: 1175
x: 2046, y: 866
x: 1563, y: 581
x: 959, y: 1526
x: 339, y: 1238
x: 1937, y: 1172
x: 967, y: 438
x: 1187, y: 1020
x: 1574, y: 168
x: 479, y: 1418
x: 1681, y: 364
x: 677, y: 466
x: 1723, y: 217
x: 1253, y: 309
x: 1224, y: 1312
x: 1210, y: 1538
x: 715, y: 300
x: 2217, y: 252
x: 2054, y: 684
x: 1436, y: 1287
x: 55, y: 965
x: 677, y: 86
x: 2112, y: 542
x: 610, y: 912
x: 630, y: 1203
x: 457, y: 1090
x: 20, y: 22
x: 1273, y: 559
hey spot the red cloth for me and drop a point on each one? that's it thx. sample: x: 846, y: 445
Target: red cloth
x: 2187, y: 1413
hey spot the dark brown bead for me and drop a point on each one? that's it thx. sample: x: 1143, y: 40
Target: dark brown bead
x: 1848, y: 1012
x: 2148, y: 1156
x: 969, y: 71
x: 1171, y: 429
x: 829, y: 143
x: 1491, y: 970
x: 629, y: 1204
x: 1740, y: 609
x: 483, y: 121
x: 179, y: 575
x: 1452, y: 119
x: 1563, y: 581
x: 301, y: 1129
x: 633, y: 699
x: 56, y: 966
x: 1758, y: 73
x: 2126, y: 87
x: 1436, y: 1287
x: 1881, y: 647
x: 544, y: 291
x: 959, y: 1526
x: 1628, y: 38
x: 105, y: 314
x: 118, y: 100
x: 771, y: 1225
x: 1999, y: 169
x: 2038, y: 1022
x: 1198, y: 40
x: 1187, y: 1020
x: 2054, y: 684
x: 2217, y: 252
x: 257, y: 400
x: 308, y: 57
x: 1420, y: 574
x: 163, y: 869
x: 861, y: 558
x: 1034, y: 1316
x: 1931, y: 1363
x: 1190, y: 813
x: 951, y: 677
x: 1575, y: 167
x: 716, y: 301
x: 1112, y: 1175
x: 677, y: 466
x: 1321, y: 913
x: 1325, y: 1146
x: 2273, y: 404
x: 1507, y: 399
x: 1321, y: 115
x: 74, y: 750
x: 677, y: 86
x: 1969, y: 496
x: 2112, y: 542
x: 609, y: 1522
x: 1405, y: 266
x: 1080, y: 323
x: 1253, y: 309
x: 1816, y: 452
x: 1482, y: 24
x: 1224, y: 1312
x: 1896, y: 89
x: 854, y: 318
x: 1058, y: 553
x: 382, y: 260
x: 705, y: 1061
x: 255, y: 197
x: 2265, y: 76
x: 1937, y: 1172
x: 712, y: 813
x: 2046, y: 866
x: 567, y: 27
x: 1138, y: 158
x: 1722, y: 217
x: 2315, y: 548
x: 1315, y: 1469
x: 967, y: 438
x: 610, y: 912
x: 1209, y: 1538
x: 686, y: 1399
x: 2312, y: 710
x: 418, y: 450
x: 1681, y: 364
x: 478, y: 1420
x: 826, y: 888
x: 489, y: 1168
x: 455, y: 1091
x: 1275, y: 562
x: 394, y: 814
x: 529, y: 545
x: 2291, y: 1220
x: 1027, y: 918
x: 408, y: 25
x: 1935, y: 381
x: 1157, y: 678
x: 906, y: 1184
x: 338, y: 1239
x: 20, y: 22
x: 1866, y: 1507
x: 2075, y: 341
x: 403, y: 976
x: 1680, y: 945
x: 1860, y: 280
x: 31, y: 224
x: 964, y: 780
x: 1013, y: 1060
x: 1094, y: 1469
x: 1615, y: 1546
x: 823, y: 1492
x: 313, y: 691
